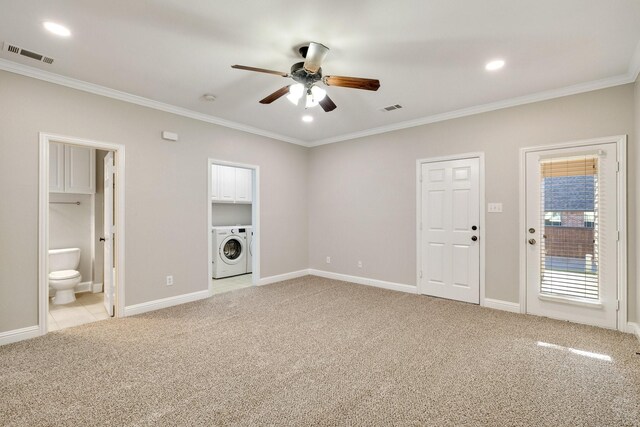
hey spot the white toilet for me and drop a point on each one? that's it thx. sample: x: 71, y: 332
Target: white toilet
x: 63, y: 276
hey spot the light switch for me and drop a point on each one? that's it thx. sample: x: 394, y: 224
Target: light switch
x: 494, y: 207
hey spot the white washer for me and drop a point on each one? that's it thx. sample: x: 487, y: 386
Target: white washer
x: 229, y: 251
x: 249, y: 249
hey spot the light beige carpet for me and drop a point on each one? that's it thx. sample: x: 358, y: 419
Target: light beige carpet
x: 313, y: 351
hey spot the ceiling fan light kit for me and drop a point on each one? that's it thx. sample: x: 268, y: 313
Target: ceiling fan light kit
x: 307, y: 74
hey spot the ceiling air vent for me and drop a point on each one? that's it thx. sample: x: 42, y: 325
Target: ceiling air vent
x: 29, y: 54
x: 391, y: 108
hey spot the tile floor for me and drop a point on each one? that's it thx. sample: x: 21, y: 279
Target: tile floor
x: 231, y: 283
x: 87, y: 308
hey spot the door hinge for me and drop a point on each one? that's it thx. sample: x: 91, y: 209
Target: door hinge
x: 420, y: 226
x: 113, y: 311
x: 420, y: 177
x: 617, y: 305
x: 421, y: 274
x: 617, y: 166
x: 618, y: 236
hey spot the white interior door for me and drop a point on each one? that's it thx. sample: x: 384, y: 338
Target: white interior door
x: 450, y: 248
x: 571, y: 229
x: 109, y: 277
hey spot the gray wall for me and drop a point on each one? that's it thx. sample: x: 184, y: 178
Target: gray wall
x: 362, y: 193
x: 70, y: 227
x: 166, y: 191
x: 230, y: 214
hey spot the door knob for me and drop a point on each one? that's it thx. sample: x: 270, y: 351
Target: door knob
x: 102, y: 239
x: 474, y: 238
x: 532, y: 241
x: 532, y: 230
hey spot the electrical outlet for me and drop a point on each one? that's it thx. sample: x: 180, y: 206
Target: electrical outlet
x: 359, y: 264
x: 328, y: 260
x: 169, y: 280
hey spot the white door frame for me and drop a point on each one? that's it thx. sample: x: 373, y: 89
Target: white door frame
x: 255, y: 217
x: 43, y: 220
x: 419, y: 163
x: 621, y: 145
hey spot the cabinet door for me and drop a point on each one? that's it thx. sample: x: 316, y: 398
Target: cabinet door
x: 243, y: 185
x: 227, y: 184
x: 215, y: 182
x: 79, y: 170
x: 56, y: 167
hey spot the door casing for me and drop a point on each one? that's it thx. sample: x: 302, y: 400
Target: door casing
x: 621, y: 144
x: 419, y: 163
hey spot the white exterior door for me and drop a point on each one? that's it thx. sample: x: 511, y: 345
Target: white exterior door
x: 572, y: 232
x: 450, y: 221
x: 109, y: 282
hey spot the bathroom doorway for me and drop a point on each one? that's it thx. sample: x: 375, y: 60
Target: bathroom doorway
x: 233, y: 226
x: 81, y: 231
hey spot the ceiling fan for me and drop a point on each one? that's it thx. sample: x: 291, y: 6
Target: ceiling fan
x: 308, y: 74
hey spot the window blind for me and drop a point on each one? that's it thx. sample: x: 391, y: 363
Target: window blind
x: 569, y: 223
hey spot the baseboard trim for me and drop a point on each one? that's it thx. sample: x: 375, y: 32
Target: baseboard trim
x: 401, y: 287
x: 96, y: 288
x: 497, y: 304
x: 144, y: 307
x: 83, y: 287
x: 280, y: 277
x: 634, y: 328
x: 19, y: 334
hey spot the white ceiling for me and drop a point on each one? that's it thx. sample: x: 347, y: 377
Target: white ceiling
x: 429, y: 55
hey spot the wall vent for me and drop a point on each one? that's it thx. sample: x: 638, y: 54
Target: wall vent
x: 29, y: 54
x: 391, y: 108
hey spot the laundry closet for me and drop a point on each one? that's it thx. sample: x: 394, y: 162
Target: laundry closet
x: 232, y: 233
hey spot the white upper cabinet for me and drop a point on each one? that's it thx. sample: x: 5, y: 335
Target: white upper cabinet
x: 72, y: 169
x: 243, y: 185
x: 231, y: 185
x: 56, y: 167
x: 215, y: 182
x: 227, y: 185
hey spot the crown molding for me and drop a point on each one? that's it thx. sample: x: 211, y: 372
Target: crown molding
x: 485, y: 108
x: 634, y: 65
x: 36, y: 73
x: 629, y: 77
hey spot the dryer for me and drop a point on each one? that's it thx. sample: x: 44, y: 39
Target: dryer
x: 229, y: 251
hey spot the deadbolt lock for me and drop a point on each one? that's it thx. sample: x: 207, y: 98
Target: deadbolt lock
x: 532, y: 230
x: 532, y: 241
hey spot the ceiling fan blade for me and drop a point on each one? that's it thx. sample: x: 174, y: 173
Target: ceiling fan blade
x: 315, y: 55
x: 275, y: 95
x: 352, y: 82
x: 260, y: 70
x: 327, y: 104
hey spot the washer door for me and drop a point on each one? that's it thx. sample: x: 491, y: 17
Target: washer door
x: 232, y: 250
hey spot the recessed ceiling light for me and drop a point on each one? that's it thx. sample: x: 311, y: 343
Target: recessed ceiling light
x: 307, y: 119
x: 209, y: 97
x: 57, y: 29
x: 494, y: 65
